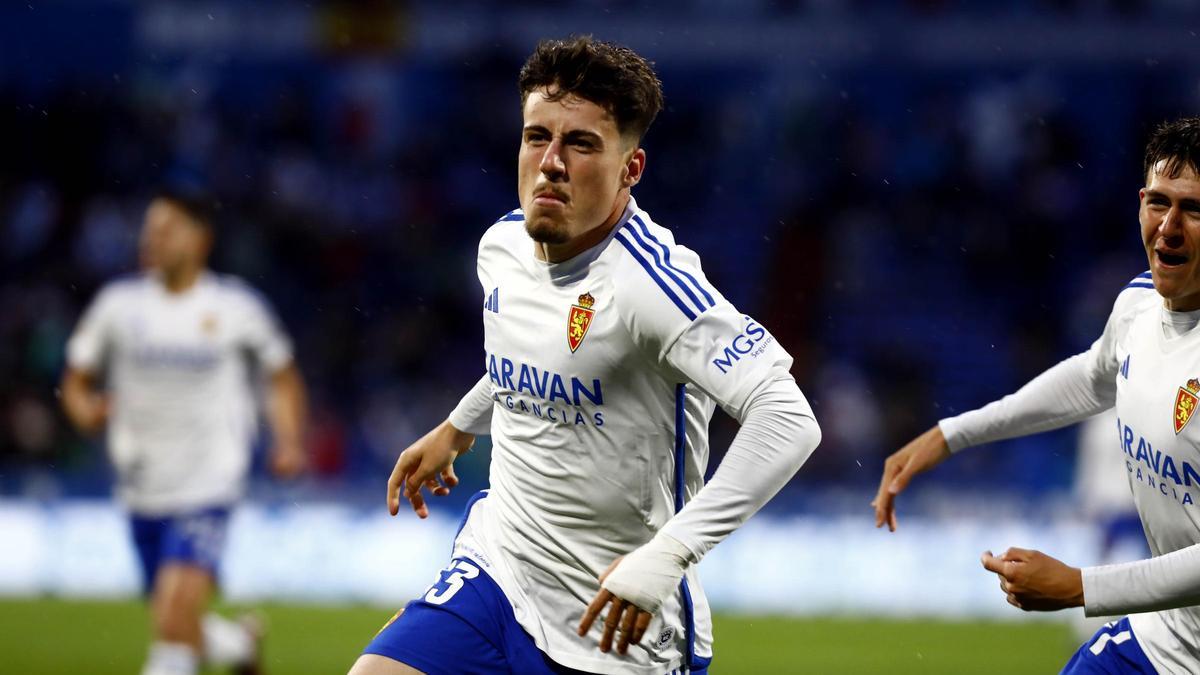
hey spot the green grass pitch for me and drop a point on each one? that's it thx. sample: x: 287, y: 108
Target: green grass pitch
x: 56, y: 636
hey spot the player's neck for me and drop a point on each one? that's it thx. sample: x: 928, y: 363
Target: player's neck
x: 556, y: 253
x: 180, y: 280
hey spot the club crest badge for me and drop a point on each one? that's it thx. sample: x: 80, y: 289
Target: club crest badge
x: 579, y: 320
x: 1185, y: 403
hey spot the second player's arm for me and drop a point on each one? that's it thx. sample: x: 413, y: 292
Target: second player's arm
x: 83, y: 402
x: 1069, y: 392
x: 287, y: 410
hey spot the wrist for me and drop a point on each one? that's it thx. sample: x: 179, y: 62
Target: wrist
x: 460, y: 440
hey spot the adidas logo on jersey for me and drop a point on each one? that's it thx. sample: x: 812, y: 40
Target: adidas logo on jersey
x: 492, y: 302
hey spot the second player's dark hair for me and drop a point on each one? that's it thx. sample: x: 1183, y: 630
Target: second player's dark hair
x: 1178, y: 143
x: 200, y: 207
x: 613, y: 77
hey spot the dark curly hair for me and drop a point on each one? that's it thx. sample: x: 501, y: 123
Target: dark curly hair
x: 1178, y: 143
x: 609, y: 75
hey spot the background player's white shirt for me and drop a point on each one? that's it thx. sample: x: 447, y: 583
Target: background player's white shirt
x: 177, y: 364
x: 584, y: 441
x: 1135, y: 366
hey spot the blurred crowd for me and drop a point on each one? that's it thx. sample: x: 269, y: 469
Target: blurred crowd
x: 921, y: 239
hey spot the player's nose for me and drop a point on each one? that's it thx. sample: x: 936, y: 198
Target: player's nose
x: 552, y: 164
x: 1172, y: 222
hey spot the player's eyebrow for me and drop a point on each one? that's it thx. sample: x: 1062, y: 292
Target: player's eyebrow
x: 1187, y: 203
x: 585, y: 135
x: 573, y: 135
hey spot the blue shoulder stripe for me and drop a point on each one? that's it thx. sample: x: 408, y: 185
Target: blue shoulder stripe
x: 633, y: 251
x: 511, y: 216
x: 1138, y: 285
x: 1143, y: 275
x: 667, y: 258
x: 662, y: 268
x: 1137, y: 282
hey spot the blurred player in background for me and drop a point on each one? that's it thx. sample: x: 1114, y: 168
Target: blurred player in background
x: 164, y: 361
x: 607, y: 351
x: 1147, y: 364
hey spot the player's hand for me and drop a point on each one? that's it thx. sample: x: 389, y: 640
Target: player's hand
x: 288, y: 461
x: 91, y: 413
x: 1035, y: 582
x: 424, y: 464
x: 921, y: 454
x: 622, y: 615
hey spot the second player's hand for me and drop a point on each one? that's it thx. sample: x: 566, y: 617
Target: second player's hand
x: 921, y: 454
x: 622, y: 615
x: 423, y: 464
x: 288, y: 461
x: 1035, y: 582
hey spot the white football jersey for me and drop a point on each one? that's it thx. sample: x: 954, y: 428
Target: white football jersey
x: 1158, y: 391
x: 605, y: 370
x: 183, y: 408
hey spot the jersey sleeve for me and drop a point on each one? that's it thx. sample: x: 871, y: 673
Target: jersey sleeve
x: 473, y: 414
x: 261, y: 332
x: 89, y: 345
x: 683, y: 324
x: 1069, y: 392
x: 1163, y: 582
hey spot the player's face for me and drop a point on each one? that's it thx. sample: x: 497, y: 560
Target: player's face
x: 169, y: 240
x: 1170, y: 218
x: 573, y: 168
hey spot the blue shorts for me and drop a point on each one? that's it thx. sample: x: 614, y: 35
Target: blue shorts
x: 475, y: 628
x: 195, y: 538
x: 1113, y: 649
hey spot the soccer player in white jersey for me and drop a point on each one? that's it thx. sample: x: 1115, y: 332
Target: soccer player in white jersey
x: 606, y: 352
x: 162, y: 360
x: 1147, y: 365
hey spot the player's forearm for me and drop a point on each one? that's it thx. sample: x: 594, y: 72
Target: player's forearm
x: 287, y: 407
x: 473, y: 414
x: 1063, y: 395
x: 81, y: 401
x: 1163, y: 582
x: 777, y: 435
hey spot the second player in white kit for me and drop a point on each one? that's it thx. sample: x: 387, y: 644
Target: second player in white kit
x: 1147, y: 365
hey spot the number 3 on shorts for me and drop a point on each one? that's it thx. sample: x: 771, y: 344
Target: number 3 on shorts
x: 455, y: 575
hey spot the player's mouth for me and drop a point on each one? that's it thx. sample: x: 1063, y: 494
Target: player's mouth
x: 1170, y: 260
x: 549, y: 198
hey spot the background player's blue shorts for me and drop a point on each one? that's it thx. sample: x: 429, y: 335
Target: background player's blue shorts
x: 1113, y: 649
x: 195, y: 538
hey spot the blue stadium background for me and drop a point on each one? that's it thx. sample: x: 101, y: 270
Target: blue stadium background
x: 926, y: 202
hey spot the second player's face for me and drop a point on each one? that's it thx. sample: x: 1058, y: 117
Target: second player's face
x: 1170, y: 219
x: 572, y: 167
x: 169, y: 241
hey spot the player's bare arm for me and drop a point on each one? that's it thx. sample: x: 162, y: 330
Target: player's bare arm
x: 921, y: 454
x: 287, y: 404
x: 85, y: 405
x: 1035, y: 582
x: 427, y: 463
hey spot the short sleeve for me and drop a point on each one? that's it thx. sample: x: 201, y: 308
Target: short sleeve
x: 681, y: 322
x: 261, y: 332
x: 89, y: 345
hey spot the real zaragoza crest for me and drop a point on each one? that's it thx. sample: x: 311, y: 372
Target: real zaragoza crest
x: 1185, y: 403
x: 579, y: 320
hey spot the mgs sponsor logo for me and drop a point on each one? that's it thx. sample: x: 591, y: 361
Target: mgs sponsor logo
x: 752, y: 342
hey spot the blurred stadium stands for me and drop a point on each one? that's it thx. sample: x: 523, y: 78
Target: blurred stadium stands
x: 926, y: 202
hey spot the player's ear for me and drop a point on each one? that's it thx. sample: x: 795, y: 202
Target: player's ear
x: 634, y: 166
